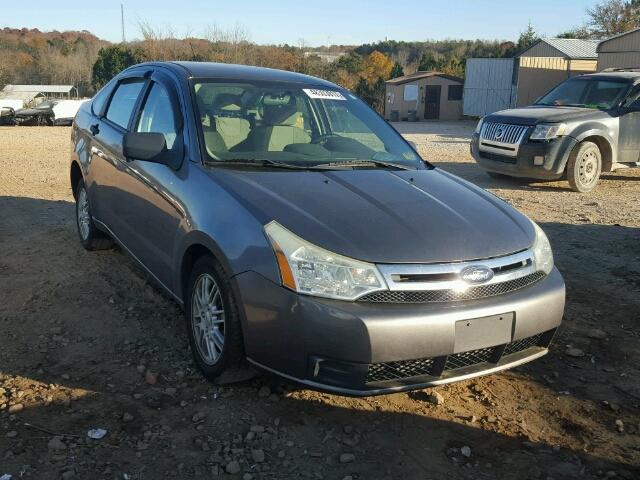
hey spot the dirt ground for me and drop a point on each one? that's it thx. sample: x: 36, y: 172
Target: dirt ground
x: 87, y: 342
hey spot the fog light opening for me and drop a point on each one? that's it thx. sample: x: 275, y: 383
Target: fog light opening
x: 538, y: 160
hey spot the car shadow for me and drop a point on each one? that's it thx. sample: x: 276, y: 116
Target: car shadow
x: 86, y: 341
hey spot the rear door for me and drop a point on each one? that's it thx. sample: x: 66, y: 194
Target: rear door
x: 629, y: 138
x: 432, y: 102
x: 107, y: 163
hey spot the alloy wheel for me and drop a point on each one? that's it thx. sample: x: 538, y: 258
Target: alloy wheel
x: 207, y: 319
x: 84, y: 217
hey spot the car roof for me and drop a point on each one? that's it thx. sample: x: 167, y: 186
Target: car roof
x: 239, y: 72
x: 616, y: 75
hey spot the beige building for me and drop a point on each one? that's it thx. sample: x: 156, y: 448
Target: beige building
x: 424, y: 96
x: 621, y: 51
x: 551, y: 61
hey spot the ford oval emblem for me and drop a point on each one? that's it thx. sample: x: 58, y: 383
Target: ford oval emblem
x: 476, y: 274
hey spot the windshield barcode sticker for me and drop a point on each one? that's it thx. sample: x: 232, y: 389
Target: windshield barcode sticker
x: 323, y: 94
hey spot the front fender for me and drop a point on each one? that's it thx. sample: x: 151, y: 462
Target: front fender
x: 604, y: 133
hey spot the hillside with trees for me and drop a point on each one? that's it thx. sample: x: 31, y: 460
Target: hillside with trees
x: 81, y: 59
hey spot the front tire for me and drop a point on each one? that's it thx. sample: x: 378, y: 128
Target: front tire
x: 90, y: 237
x: 213, y: 322
x: 584, y: 167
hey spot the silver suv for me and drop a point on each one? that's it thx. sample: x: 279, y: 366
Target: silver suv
x: 586, y: 125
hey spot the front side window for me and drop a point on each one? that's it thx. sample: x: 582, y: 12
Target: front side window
x: 293, y: 123
x: 123, y: 102
x: 587, y: 93
x: 158, y: 116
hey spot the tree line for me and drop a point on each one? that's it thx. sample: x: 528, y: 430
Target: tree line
x: 83, y: 60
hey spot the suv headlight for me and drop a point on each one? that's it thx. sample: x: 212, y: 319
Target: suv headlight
x: 312, y: 270
x: 479, y: 126
x: 542, y: 254
x: 548, y: 132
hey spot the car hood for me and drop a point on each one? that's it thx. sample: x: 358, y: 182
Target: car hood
x: 383, y: 216
x: 539, y: 114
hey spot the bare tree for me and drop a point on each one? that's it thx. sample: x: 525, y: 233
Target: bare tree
x: 612, y: 17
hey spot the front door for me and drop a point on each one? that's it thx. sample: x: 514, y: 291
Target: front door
x: 629, y: 138
x: 432, y: 102
x: 147, y: 208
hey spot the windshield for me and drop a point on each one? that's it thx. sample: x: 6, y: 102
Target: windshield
x: 586, y: 92
x: 294, y: 124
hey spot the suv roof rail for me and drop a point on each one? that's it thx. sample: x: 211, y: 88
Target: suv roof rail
x: 626, y: 69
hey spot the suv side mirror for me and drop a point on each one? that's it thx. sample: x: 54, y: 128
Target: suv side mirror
x: 144, y: 146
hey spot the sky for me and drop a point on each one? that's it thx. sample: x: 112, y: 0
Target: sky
x: 347, y: 22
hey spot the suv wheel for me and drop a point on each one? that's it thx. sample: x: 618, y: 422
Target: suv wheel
x: 213, y: 323
x: 584, y: 167
x: 90, y: 237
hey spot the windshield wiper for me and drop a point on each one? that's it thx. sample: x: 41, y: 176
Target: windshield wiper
x: 256, y: 162
x: 363, y: 163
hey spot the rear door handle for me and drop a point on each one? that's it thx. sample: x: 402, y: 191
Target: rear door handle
x: 94, y: 129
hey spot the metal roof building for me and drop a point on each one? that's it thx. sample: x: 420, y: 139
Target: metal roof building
x: 35, y: 93
x: 621, y: 51
x: 424, y: 95
x: 550, y: 61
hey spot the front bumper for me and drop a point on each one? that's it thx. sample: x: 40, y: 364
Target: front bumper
x: 555, y: 153
x: 359, y: 348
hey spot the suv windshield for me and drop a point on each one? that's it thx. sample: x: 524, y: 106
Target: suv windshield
x: 586, y: 92
x: 294, y: 124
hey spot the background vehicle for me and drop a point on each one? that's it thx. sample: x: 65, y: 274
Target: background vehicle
x: 301, y: 232
x: 50, y: 112
x: 7, y: 116
x: 584, y: 126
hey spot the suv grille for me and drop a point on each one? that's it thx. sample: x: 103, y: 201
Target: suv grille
x: 382, y: 372
x: 472, y: 293
x: 503, y: 133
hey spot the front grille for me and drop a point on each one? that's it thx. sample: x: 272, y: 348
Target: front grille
x: 498, y: 158
x: 435, y: 367
x: 467, y: 359
x: 520, y: 345
x: 503, y: 133
x: 380, y: 372
x: 433, y: 296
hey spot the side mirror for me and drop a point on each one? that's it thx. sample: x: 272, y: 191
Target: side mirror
x: 144, y: 146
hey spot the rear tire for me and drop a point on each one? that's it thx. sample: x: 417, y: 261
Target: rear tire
x: 212, y: 321
x: 90, y: 237
x: 584, y: 167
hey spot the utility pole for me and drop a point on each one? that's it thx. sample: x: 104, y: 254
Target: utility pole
x: 122, y: 20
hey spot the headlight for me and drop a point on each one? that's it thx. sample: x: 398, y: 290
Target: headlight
x: 548, y: 132
x: 542, y: 254
x: 479, y: 126
x: 309, y: 269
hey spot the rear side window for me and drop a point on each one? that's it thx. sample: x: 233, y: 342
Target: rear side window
x: 123, y: 102
x: 158, y: 116
x: 100, y: 98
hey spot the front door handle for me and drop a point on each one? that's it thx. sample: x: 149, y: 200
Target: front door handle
x: 94, y: 129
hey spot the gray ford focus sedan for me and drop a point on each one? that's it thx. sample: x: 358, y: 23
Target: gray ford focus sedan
x: 303, y: 234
